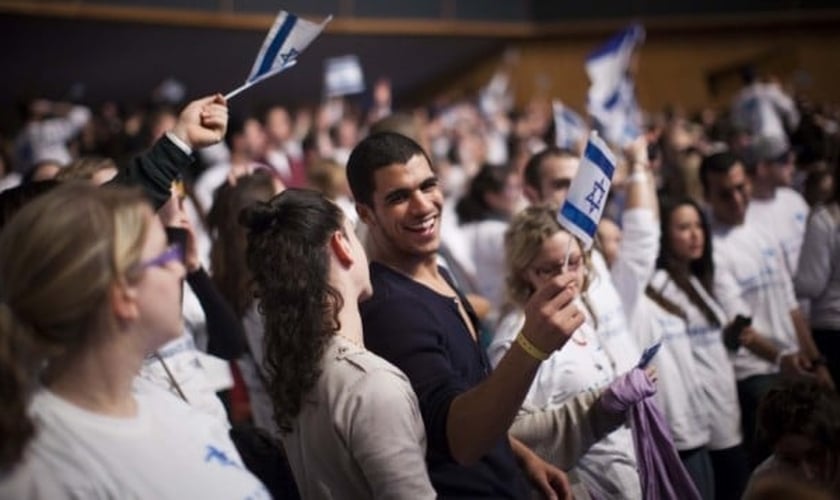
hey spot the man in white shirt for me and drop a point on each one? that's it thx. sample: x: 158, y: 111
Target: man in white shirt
x: 751, y: 280
x: 775, y: 207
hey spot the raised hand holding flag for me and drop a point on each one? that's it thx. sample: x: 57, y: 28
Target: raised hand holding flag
x: 588, y: 192
x: 288, y: 37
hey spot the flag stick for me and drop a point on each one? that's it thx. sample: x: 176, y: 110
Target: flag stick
x: 568, y: 250
x: 250, y: 84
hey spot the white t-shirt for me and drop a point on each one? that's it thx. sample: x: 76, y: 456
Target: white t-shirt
x: 485, y: 241
x: 712, y: 363
x: 784, y: 217
x: 359, y: 433
x: 679, y: 392
x: 167, y: 451
x: 615, y: 292
x: 609, y: 467
x: 818, y: 277
x: 751, y: 279
x: 199, y: 375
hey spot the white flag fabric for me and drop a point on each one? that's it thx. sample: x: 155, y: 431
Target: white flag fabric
x: 569, y: 127
x: 611, y: 99
x: 288, y: 37
x: 343, y: 76
x: 587, y: 195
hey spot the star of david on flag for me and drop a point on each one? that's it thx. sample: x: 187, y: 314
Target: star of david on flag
x: 588, y: 192
x: 288, y: 37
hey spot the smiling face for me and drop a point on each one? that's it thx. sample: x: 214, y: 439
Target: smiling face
x: 685, y: 231
x: 404, y: 218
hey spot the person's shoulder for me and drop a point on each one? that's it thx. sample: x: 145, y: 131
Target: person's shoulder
x: 351, y: 369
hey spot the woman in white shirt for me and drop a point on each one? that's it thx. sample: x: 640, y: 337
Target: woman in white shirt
x: 682, y: 290
x: 535, y: 250
x: 89, y: 289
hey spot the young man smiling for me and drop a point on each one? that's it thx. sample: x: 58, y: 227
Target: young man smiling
x: 419, y: 321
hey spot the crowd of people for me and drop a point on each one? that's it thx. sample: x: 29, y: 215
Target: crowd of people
x: 386, y: 302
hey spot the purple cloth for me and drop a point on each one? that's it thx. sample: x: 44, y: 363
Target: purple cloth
x: 661, y: 471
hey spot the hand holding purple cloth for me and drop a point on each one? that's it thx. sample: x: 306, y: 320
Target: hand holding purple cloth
x: 660, y: 469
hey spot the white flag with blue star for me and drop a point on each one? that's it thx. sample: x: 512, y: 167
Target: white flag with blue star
x: 587, y: 195
x: 288, y: 37
x: 611, y: 99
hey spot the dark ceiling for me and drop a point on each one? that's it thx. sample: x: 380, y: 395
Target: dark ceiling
x: 124, y: 61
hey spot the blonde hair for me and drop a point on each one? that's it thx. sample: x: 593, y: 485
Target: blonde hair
x: 524, y: 239
x: 59, y: 257
x: 85, y: 168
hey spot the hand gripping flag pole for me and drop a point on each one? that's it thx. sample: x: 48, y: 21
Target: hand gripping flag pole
x: 288, y: 37
x: 588, y: 192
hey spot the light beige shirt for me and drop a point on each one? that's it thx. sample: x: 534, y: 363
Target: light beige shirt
x: 360, y: 433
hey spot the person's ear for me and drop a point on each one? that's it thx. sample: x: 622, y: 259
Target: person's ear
x: 365, y: 214
x: 123, y: 299
x: 340, y: 246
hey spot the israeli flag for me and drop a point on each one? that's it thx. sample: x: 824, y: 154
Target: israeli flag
x: 587, y: 195
x: 288, y: 37
x: 611, y: 99
x: 569, y: 127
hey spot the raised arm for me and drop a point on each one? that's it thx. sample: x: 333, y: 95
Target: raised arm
x: 203, y: 122
x: 480, y: 416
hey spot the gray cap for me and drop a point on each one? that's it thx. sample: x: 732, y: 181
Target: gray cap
x: 766, y: 149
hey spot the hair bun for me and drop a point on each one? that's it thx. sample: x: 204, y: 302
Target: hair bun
x: 257, y: 217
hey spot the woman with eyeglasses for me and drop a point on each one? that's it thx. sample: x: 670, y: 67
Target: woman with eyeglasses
x: 536, y: 248
x: 88, y: 288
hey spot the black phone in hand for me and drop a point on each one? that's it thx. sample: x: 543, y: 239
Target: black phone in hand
x: 732, y: 333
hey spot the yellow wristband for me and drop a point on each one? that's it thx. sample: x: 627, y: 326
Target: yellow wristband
x: 530, y: 348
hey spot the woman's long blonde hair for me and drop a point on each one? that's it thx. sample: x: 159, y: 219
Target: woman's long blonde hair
x: 59, y: 257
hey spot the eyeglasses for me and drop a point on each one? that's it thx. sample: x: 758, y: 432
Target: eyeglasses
x: 555, y: 269
x: 172, y: 253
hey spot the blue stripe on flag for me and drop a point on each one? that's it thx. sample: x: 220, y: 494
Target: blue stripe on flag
x: 276, y: 44
x: 613, y: 100
x: 597, y: 157
x: 632, y: 34
x: 578, y: 218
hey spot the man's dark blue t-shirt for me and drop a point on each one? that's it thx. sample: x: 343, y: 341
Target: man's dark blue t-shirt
x: 421, y: 332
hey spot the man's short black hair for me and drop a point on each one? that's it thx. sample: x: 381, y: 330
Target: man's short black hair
x: 376, y: 151
x: 716, y: 163
x: 532, y: 168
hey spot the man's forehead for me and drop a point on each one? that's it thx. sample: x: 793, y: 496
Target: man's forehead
x: 417, y: 168
x: 559, y: 166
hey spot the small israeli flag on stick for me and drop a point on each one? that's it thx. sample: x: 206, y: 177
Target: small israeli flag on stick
x: 588, y: 192
x: 288, y: 37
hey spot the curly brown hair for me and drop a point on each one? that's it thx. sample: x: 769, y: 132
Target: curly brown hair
x: 289, y: 261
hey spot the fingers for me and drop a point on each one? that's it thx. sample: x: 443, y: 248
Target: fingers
x: 651, y: 373
x: 547, y: 490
